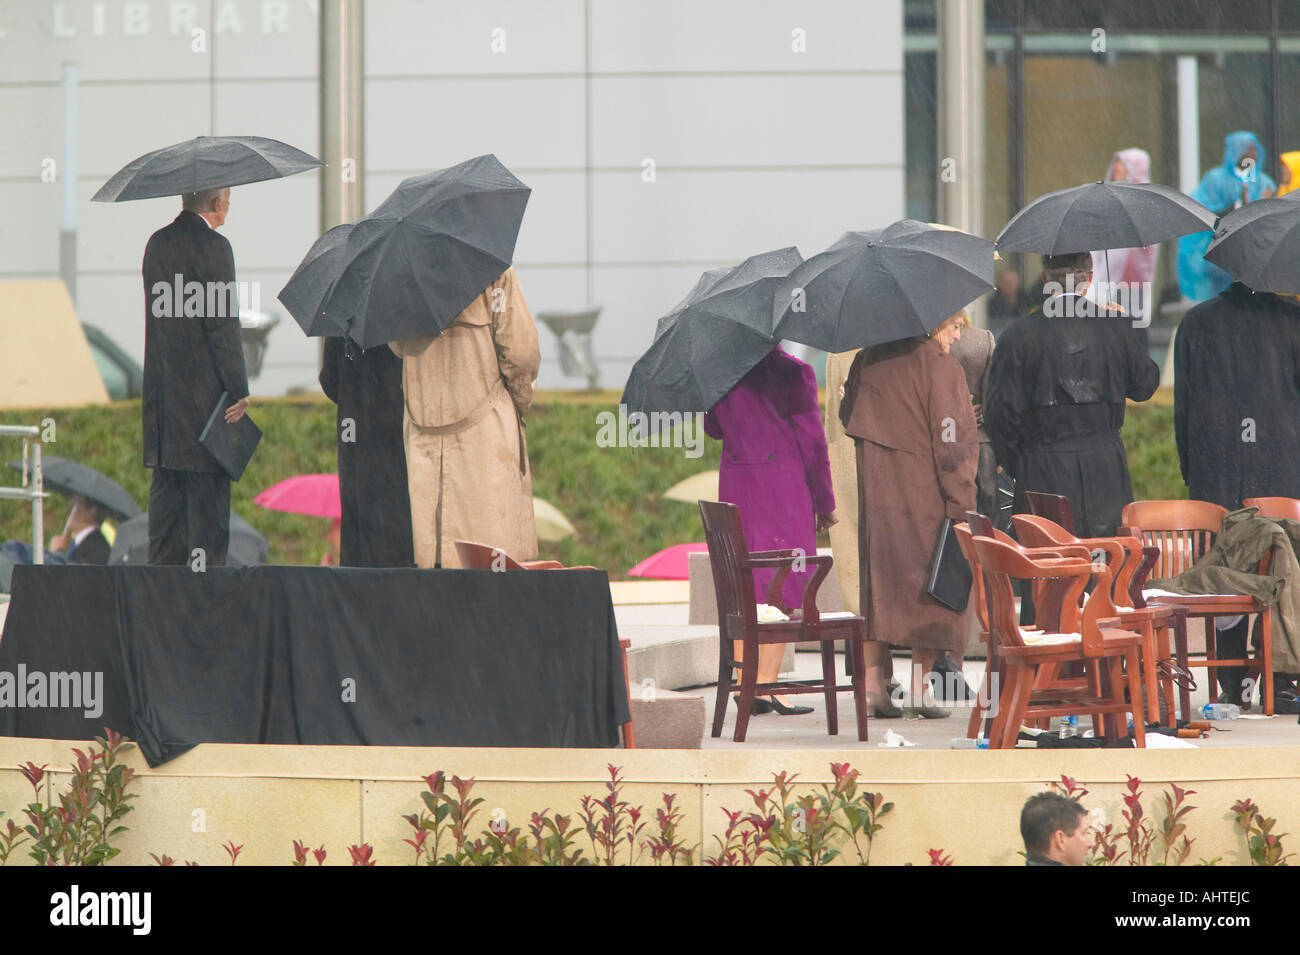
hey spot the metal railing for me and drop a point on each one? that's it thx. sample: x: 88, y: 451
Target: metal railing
x: 33, y: 490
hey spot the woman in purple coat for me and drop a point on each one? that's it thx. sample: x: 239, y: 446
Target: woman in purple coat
x: 776, y: 470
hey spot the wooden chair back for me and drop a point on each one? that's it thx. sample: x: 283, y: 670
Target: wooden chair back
x: 1054, y: 507
x: 967, y: 546
x: 733, y: 585
x: 1183, y: 530
x: 1001, y: 563
x: 1123, y: 552
x: 1278, y: 508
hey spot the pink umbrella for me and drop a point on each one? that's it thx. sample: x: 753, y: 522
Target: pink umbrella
x: 316, y: 495
x: 671, y: 563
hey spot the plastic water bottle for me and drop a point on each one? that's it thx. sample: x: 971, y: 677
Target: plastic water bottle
x: 1220, y: 711
x: 1069, y: 726
x: 965, y: 742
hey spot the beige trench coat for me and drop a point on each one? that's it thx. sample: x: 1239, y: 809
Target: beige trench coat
x: 844, y: 481
x: 467, y: 392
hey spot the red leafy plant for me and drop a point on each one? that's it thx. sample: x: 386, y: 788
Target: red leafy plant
x: 1264, y: 847
x: 1139, y: 832
x: 78, y: 830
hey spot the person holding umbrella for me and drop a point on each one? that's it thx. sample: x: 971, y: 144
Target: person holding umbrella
x: 94, y: 498
x: 1055, y: 401
x: 775, y: 469
x: 192, y: 350
x: 907, y: 405
x: 189, y: 360
x: 82, y: 541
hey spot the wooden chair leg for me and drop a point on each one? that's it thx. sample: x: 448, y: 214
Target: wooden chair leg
x: 1149, y: 672
x: 1180, y: 653
x: 724, y: 692
x: 748, y: 680
x: 1111, y: 689
x: 977, y: 708
x: 853, y: 650
x: 1135, y: 698
x: 1266, y: 648
x: 1016, y: 698
x: 1166, y: 681
x: 828, y: 688
x: 1211, y: 654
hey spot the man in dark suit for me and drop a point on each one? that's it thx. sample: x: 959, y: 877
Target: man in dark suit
x: 192, y: 353
x: 83, y: 542
x: 1055, y: 399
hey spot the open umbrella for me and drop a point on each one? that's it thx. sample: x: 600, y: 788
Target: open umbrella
x: 205, y: 162
x: 304, y: 294
x: 696, y: 488
x: 707, y: 343
x: 68, y: 478
x: 248, y: 548
x: 671, y: 563
x: 551, y: 523
x: 410, y: 267
x: 1260, y: 245
x: 1103, y: 215
x: 316, y: 495
x: 881, y: 286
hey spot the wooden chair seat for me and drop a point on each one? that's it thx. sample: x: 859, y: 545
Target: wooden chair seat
x: 733, y: 566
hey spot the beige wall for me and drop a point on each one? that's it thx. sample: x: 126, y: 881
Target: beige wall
x: 966, y: 803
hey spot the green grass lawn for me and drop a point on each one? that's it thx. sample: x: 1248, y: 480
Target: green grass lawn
x: 612, y: 496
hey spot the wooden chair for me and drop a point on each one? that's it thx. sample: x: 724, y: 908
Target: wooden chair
x: 1278, y: 508
x: 1126, y: 555
x: 475, y: 556
x: 733, y: 582
x: 994, y: 672
x: 1184, y: 531
x: 1054, y: 507
x: 1104, y: 653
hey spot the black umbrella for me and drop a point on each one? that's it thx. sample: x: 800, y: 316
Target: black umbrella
x: 1103, y: 215
x: 410, y: 267
x: 1260, y: 245
x: 707, y: 343
x: 205, y: 162
x: 68, y: 478
x: 248, y: 548
x: 304, y: 295
x: 881, y: 286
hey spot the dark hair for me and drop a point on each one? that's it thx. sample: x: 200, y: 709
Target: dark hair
x: 1046, y: 814
x: 1057, y: 267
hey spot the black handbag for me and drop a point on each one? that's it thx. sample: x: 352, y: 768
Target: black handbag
x: 950, y: 577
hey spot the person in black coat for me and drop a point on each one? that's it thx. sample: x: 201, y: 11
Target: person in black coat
x: 1237, y: 416
x: 83, y: 542
x: 366, y: 384
x: 1056, y: 396
x: 192, y: 354
x: 1237, y: 397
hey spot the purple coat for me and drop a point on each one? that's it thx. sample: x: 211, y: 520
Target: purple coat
x: 775, y: 467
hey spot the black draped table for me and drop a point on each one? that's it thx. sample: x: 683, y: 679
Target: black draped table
x: 314, y: 655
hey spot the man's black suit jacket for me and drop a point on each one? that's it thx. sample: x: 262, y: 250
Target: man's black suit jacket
x: 191, y: 355
x: 93, y: 549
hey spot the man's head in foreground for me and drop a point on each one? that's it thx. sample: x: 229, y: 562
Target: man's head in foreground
x: 212, y: 204
x: 1054, y: 830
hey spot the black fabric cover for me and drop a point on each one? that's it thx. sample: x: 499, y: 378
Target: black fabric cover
x: 261, y: 655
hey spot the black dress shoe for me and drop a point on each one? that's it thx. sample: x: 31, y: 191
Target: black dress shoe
x: 787, y: 710
x: 759, y: 706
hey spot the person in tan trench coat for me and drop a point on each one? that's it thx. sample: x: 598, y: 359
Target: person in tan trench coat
x: 467, y: 392
x: 908, y: 409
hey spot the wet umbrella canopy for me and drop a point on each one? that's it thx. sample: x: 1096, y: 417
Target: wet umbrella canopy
x: 69, y: 478
x: 1257, y: 244
x: 410, y: 267
x: 205, y: 162
x: 1103, y: 215
x: 881, y: 286
x: 304, y: 295
x: 707, y: 343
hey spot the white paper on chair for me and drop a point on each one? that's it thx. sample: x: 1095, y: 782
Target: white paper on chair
x: 769, y: 614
